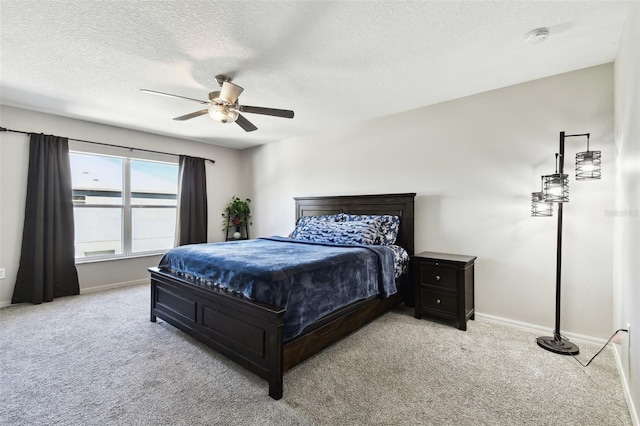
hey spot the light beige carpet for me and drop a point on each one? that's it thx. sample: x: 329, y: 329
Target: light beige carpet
x: 96, y: 359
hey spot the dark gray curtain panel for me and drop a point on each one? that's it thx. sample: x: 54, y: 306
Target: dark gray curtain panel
x: 192, y: 201
x: 47, y: 268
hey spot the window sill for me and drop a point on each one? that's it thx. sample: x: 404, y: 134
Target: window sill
x: 85, y: 260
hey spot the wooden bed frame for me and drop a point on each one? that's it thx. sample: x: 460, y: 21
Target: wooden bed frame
x: 249, y: 332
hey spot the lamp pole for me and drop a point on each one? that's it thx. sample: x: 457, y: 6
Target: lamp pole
x: 556, y: 331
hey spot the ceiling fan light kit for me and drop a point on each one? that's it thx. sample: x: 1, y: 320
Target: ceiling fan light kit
x: 223, y: 114
x: 224, y: 106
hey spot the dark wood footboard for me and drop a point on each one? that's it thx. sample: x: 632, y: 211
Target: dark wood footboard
x: 246, y: 332
x: 250, y: 333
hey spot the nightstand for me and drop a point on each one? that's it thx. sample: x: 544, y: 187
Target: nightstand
x: 443, y: 285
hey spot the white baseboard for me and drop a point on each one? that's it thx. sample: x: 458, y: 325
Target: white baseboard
x: 538, y: 329
x: 114, y: 285
x: 5, y: 303
x: 625, y: 386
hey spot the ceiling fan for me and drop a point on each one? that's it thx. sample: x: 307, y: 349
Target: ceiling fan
x: 223, y: 105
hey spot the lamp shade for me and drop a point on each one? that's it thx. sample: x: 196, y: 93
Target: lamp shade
x: 588, y: 165
x: 540, y: 207
x: 555, y: 188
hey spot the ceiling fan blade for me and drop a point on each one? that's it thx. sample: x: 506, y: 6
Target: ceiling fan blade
x: 153, y: 92
x: 230, y: 92
x: 192, y: 115
x: 245, y: 124
x: 285, y: 113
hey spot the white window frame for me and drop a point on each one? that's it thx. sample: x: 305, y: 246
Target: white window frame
x: 126, y: 206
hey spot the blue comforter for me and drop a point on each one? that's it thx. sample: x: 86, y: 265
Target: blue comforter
x: 309, y: 279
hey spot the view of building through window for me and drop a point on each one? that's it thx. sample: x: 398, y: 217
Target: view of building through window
x: 122, y: 206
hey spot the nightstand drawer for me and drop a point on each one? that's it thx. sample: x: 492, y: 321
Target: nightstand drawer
x: 438, y: 277
x: 438, y: 301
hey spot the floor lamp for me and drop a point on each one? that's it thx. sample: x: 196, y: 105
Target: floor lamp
x: 555, y: 189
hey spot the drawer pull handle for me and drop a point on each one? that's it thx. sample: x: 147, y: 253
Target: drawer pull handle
x: 437, y: 277
x: 438, y: 301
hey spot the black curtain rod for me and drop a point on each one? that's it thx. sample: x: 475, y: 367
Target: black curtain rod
x: 4, y: 129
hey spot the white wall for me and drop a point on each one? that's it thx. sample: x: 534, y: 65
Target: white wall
x: 626, y: 248
x: 222, y: 182
x: 473, y: 163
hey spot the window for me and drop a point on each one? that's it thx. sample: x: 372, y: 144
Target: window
x: 122, y: 206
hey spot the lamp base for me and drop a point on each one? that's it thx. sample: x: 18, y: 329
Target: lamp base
x: 558, y: 345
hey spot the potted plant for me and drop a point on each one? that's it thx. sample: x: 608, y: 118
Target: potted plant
x: 236, y: 214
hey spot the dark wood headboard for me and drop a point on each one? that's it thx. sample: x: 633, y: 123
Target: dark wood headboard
x: 394, y: 204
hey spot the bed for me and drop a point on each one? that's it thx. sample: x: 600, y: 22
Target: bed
x: 251, y: 333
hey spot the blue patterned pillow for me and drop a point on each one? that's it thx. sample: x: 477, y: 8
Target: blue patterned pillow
x: 389, y: 226
x: 362, y: 232
x: 400, y: 259
x: 305, y: 220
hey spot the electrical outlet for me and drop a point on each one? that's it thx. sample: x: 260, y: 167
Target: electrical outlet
x: 2, y: 274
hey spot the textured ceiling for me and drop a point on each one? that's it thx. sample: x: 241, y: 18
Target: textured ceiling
x: 333, y: 63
